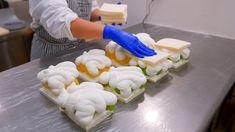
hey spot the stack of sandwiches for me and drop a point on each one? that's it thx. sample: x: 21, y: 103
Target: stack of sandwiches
x: 179, y: 51
x: 94, y: 66
x: 154, y: 67
x: 113, y: 13
x: 57, y: 81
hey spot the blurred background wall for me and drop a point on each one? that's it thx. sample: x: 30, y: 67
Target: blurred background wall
x: 215, y: 17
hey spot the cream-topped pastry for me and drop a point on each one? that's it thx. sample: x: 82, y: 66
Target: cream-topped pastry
x: 179, y: 50
x: 59, y: 77
x: 92, y: 63
x: 120, y: 56
x: 155, y: 67
x: 56, y: 80
x: 89, y: 104
x: 117, y: 54
x: 125, y: 82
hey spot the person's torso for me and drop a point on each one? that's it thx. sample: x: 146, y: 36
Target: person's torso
x: 81, y: 7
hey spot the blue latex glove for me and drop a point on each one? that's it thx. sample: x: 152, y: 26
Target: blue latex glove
x: 127, y: 41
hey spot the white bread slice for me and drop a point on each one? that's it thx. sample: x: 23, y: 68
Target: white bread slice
x: 113, y: 20
x: 154, y: 60
x: 49, y: 95
x: 113, y: 9
x: 172, y: 44
x: 114, y: 17
x: 4, y: 31
x: 110, y: 23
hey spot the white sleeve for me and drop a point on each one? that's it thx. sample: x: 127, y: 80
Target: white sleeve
x: 95, y: 5
x: 54, y: 16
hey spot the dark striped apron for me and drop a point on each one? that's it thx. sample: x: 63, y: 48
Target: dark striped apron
x: 43, y: 44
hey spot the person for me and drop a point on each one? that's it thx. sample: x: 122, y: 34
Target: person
x: 60, y: 25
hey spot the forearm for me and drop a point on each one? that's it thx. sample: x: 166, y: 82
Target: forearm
x: 86, y: 30
x: 89, y: 30
x: 95, y: 15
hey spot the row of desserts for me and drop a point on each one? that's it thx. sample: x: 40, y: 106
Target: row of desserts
x: 171, y: 54
x: 125, y: 82
x: 89, y: 103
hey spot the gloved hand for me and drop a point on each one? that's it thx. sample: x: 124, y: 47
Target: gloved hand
x: 127, y: 41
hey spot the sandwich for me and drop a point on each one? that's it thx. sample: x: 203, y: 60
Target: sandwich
x: 179, y: 51
x: 57, y: 81
x: 125, y: 82
x: 113, y: 13
x: 89, y: 105
x: 91, y: 64
x: 154, y: 68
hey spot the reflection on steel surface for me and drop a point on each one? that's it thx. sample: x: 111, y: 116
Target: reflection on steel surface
x: 151, y: 116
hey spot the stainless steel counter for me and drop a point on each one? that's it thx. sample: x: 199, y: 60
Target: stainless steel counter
x: 185, y: 102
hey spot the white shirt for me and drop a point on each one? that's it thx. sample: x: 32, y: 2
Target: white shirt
x: 55, y: 16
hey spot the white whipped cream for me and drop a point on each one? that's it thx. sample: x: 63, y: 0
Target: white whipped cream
x: 121, y: 53
x: 152, y: 70
x: 175, y: 56
x: 133, y: 62
x: 94, y: 60
x: 146, y: 39
x: 141, y: 64
x: 185, y: 53
x: 167, y: 64
x: 111, y: 46
x: 58, y: 76
x: 88, y: 99
x: 123, y: 78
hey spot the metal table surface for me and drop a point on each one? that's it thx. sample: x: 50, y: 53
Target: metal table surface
x: 185, y: 102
